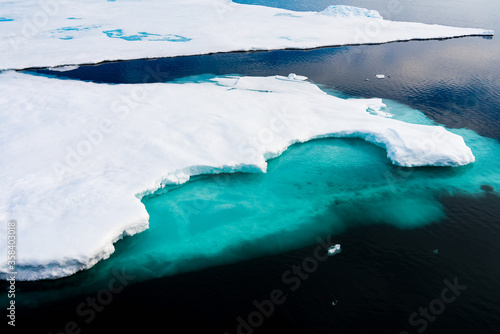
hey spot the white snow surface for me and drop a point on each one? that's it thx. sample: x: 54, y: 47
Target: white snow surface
x: 72, y: 32
x: 78, y: 156
x: 350, y: 11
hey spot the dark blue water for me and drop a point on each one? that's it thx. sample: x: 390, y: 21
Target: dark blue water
x: 385, y: 274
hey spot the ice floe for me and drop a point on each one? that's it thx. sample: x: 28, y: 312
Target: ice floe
x: 78, y: 156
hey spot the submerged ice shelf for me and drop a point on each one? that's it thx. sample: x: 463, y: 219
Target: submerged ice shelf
x: 79, y: 156
x: 55, y: 33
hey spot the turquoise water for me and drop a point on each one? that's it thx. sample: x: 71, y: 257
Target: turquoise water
x: 314, y: 189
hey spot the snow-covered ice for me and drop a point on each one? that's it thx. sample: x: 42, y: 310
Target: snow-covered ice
x: 78, y: 156
x: 335, y: 249
x: 66, y: 32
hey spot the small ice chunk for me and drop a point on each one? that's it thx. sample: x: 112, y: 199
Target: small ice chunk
x: 335, y: 249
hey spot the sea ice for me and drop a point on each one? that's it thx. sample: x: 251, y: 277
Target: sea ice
x: 77, y: 157
x: 65, y: 32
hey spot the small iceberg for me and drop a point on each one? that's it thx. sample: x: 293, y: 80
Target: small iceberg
x: 335, y: 249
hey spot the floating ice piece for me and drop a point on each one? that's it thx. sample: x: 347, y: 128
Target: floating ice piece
x: 179, y: 28
x: 335, y: 249
x: 77, y: 157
